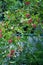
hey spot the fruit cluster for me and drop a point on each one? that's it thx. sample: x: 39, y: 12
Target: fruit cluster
x: 21, y: 20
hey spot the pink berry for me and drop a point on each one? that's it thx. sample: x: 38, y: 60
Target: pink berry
x: 30, y: 20
x: 34, y: 25
x: 12, y: 52
x: 10, y: 41
x: 9, y: 55
x: 27, y: 3
x: 0, y: 35
x: 27, y: 15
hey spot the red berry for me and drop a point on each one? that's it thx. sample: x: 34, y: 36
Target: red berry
x: 27, y: 3
x: 30, y: 20
x: 27, y: 15
x: 0, y: 35
x: 34, y: 25
x: 10, y: 41
x: 12, y: 52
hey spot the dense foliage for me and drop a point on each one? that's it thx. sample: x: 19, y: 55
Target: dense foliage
x: 21, y: 32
